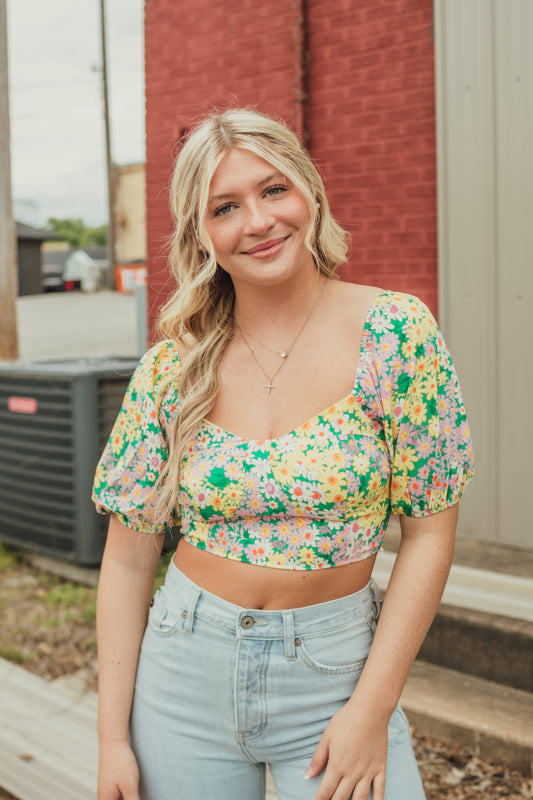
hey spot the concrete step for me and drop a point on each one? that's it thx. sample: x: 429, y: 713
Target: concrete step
x: 483, y: 628
x: 493, y: 721
x: 488, y: 646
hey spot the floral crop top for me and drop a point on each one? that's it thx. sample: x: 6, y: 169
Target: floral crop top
x: 321, y: 495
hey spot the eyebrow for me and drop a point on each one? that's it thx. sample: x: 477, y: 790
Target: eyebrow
x: 218, y: 197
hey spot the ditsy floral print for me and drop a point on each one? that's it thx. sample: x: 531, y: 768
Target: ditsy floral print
x: 322, y: 494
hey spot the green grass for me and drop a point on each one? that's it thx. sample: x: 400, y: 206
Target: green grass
x: 162, y: 567
x: 8, y: 559
x: 14, y: 654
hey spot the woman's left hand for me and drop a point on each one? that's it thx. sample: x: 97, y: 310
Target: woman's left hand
x: 353, y: 751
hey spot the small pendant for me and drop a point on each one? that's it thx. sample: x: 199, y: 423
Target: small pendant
x: 269, y: 386
x: 283, y: 354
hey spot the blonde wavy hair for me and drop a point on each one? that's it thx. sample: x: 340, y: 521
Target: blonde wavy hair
x: 201, y: 310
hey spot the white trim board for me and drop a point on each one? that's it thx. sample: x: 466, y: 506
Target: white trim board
x: 478, y: 589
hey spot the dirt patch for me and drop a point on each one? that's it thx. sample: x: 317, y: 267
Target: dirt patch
x: 47, y: 623
x: 48, y: 627
x: 452, y: 773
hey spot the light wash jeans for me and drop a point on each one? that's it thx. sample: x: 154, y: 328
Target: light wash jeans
x: 222, y: 690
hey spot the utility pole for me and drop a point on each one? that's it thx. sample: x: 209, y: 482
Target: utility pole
x: 8, y: 240
x: 109, y: 161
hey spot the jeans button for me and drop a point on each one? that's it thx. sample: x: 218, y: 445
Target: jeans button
x: 247, y: 622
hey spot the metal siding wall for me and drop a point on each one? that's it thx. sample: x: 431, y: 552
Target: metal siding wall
x: 513, y: 21
x: 485, y: 127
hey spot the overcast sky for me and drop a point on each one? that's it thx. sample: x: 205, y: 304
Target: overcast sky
x: 57, y: 128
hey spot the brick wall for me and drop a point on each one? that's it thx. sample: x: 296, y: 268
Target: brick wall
x: 371, y: 127
x: 364, y: 70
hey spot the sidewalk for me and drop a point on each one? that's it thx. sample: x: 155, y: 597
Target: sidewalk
x: 72, y: 324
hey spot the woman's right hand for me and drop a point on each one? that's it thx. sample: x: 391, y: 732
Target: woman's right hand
x: 118, y: 773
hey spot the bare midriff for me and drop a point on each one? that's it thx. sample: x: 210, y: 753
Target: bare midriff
x: 252, y: 586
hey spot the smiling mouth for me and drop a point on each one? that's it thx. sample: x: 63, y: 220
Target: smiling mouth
x: 266, y: 249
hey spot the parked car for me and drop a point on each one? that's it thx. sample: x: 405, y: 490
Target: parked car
x: 85, y: 269
x: 52, y: 267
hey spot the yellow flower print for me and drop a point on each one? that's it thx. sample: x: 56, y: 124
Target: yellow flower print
x: 399, y: 487
x: 403, y: 435
x: 374, y: 485
x: 276, y: 560
x: 307, y: 555
x: 434, y: 427
x: 407, y: 457
x: 430, y: 387
x: 408, y: 349
x: 417, y: 412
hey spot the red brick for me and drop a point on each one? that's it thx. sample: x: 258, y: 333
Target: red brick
x: 369, y: 112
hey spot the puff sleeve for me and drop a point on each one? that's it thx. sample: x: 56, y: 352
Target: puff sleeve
x: 137, y: 449
x: 426, y: 428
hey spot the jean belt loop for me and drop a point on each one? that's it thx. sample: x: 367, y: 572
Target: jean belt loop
x: 376, y: 602
x: 288, y: 630
x: 191, y: 608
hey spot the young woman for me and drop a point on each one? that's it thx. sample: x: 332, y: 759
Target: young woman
x: 283, y: 419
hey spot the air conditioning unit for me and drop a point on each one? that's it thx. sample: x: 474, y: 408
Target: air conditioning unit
x: 55, y: 418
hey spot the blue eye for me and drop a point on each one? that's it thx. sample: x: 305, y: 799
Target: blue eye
x: 223, y: 210
x: 272, y: 191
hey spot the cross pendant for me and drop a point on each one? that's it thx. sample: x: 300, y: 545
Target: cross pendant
x: 269, y: 386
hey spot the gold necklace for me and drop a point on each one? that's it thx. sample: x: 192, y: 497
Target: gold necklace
x: 284, y: 353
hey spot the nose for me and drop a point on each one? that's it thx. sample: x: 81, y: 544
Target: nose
x: 258, y: 219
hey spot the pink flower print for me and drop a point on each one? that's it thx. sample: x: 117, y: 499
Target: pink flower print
x: 424, y: 445
x: 388, y: 345
x: 258, y: 553
x: 395, y: 312
x: 423, y: 473
x: 126, y: 478
x: 416, y: 487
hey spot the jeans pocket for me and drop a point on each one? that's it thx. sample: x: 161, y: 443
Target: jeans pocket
x: 163, y: 618
x: 338, y: 651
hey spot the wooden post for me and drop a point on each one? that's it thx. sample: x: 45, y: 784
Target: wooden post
x: 8, y: 240
x: 109, y: 160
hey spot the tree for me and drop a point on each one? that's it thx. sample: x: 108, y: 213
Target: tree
x: 77, y: 234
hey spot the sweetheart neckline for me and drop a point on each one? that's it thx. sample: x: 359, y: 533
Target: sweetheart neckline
x: 209, y: 423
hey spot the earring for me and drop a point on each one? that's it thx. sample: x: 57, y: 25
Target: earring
x: 317, y: 204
